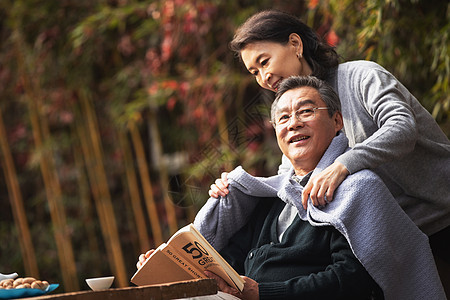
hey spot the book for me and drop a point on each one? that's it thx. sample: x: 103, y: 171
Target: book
x: 185, y: 256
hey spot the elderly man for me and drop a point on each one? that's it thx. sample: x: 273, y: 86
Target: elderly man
x: 334, y: 252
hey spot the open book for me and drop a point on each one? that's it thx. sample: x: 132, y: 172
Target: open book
x: 184, y: 257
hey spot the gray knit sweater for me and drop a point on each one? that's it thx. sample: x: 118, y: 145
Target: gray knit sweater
x: 392, y: 134
x: 383, y: 238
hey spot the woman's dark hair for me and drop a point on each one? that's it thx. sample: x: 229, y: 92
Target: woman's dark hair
x: 276, y: 26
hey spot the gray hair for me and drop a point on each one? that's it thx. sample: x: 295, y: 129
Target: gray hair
x: 326, y: 92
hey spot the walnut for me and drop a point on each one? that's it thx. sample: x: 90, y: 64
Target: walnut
x: 24, y: 283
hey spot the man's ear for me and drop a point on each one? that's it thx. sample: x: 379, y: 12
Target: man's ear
x: 296, y: 41
x: 338, y: 121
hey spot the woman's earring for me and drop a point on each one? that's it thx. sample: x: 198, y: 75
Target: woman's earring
x: 299, y: 55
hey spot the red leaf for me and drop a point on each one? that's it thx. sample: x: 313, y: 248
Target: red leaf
x: 332, y: 38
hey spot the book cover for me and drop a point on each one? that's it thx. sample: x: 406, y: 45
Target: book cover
x: 186, y: 254
x: 182, y: 262
x: 159, y: 269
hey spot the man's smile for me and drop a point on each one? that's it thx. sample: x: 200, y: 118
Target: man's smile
x: 297, y: 138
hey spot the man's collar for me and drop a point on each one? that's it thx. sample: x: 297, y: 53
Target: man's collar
x: 302, y: 180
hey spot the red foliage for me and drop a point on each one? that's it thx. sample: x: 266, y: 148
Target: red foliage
x: 126, y: 46
x: 171, y: 103
x: 17, y: 133
x: 332, y: 38
x: 312, y: 4
x: 153, y: 61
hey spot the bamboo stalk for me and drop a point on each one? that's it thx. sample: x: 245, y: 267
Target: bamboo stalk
x: 16, y: 200
x: 86, y: 211
x: 191, y: 209
x: 135, y: 198
x: 68, y: 255
x: 94, y: 185
x: 162, y: 168
x: 222, y: 126
x: 51, y: 182
x: 53, y: 192
x: 103, y: 200
x: 146, y: 183
x: 168, y: 202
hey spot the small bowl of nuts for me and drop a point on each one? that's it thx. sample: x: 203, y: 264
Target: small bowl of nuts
x: 24, y: 287
x: 25, y: 283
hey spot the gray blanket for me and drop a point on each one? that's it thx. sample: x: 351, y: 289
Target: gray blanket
x: 390, y: 246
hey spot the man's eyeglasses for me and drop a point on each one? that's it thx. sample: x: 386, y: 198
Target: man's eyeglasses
x: 302, y: 115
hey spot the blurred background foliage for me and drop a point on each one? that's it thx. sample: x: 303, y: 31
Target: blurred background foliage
x: 117, y: 115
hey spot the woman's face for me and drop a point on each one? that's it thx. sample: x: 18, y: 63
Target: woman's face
x: 271, y: 62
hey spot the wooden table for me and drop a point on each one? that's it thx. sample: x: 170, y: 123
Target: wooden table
x: 182, y: 289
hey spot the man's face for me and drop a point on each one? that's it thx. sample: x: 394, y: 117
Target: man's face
x: 304, y: 143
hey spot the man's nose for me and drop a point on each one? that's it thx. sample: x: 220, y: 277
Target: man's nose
x: 294, y: 122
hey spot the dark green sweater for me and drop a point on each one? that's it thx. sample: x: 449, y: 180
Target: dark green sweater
x: 309, y: 263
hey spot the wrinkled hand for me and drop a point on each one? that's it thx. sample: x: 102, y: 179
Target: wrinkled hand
x: 143, y: 257
x: 322, y: 186
x: 219, y: 188
x: 250, y: 292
